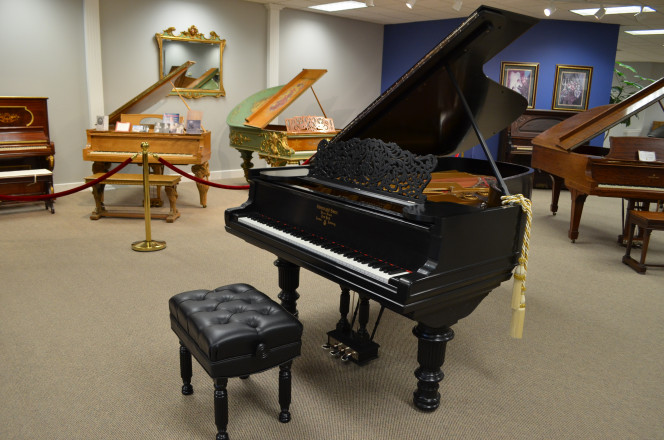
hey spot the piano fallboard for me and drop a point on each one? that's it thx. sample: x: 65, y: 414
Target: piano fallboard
x: 110, y: 146
x: 627, y: 172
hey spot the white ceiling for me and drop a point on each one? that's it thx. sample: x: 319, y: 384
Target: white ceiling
x: 630, y: 48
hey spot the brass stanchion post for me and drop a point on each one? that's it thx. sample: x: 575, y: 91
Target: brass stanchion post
x: 148, y: 244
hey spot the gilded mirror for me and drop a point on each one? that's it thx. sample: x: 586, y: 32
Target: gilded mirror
x: 203, y: 78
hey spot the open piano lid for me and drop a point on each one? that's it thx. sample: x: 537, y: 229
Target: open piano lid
x: 151, y: 95
x: 282, y: 97
x: 578, y: 129
x: 421, y: 112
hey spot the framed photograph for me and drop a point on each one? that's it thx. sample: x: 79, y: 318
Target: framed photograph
x: 572, y: 87
x: 520, y: 77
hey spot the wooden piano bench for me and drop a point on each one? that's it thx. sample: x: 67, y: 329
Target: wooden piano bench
x: 648, y: 221
x: 28, y: 182
x: 234, y: 331
x: 169, y: 182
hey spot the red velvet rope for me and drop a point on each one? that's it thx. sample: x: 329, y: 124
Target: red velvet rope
x: 199, y: 180
x: 69, y: 191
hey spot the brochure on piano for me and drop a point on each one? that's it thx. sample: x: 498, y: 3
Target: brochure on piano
x: 647, y: 156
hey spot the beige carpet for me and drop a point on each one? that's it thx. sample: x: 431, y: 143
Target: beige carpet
x: 87, y: 351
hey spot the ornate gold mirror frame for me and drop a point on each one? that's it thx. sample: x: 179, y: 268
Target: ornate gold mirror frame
x: 203, y: 78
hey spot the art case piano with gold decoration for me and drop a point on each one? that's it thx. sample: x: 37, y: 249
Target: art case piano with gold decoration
x: 251, y: 130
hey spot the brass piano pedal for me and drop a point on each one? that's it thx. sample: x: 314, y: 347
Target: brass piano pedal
x: 326, y: 346
x: 347, y: 356
x: 338, y: 350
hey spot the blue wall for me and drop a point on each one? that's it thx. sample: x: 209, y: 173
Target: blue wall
x: 548, y: 43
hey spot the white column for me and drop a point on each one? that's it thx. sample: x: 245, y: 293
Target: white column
x: 273, y: 44
x: 93, y: 70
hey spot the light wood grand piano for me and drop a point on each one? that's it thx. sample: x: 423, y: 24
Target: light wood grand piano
x: 251, y: 131
x: 26, y: 151
x: 106, y: 147
x: 619, y: 173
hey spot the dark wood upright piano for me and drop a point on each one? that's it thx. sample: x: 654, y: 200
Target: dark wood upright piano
x: 618, y: 172
x: 26, y: 150
x: 516, y: 140
x: 358, y: 214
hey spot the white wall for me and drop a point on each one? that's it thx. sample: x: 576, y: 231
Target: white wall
x: 350, y: 50
x: 43, y: 54
x: 640, y: 124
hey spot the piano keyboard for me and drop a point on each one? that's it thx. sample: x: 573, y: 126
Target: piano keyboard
x: 340, y: 254
x: 131, y: 153
x: 635, y: 187
x: 24, y: 147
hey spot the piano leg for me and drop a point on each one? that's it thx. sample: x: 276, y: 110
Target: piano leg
x: 578, y: 199
x: 343, y: 326
x: 289, y: 280
x: 202, y: 171
x: 431, y: 346
x: 246, y: 162
x: 556, y: 186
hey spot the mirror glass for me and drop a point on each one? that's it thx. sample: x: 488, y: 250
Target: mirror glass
x: 203, y: 78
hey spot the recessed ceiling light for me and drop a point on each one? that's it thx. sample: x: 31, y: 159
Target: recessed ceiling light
x: 614, y: 10
x: 339, y: 6
x: 647, y: 32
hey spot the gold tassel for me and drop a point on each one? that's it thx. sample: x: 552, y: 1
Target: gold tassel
x: 519, y: 288
x: 518, y: 303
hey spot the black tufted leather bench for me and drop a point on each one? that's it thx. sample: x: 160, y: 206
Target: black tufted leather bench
x: 234, y: 331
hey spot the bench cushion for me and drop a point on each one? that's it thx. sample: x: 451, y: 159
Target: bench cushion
x: 235, y: 330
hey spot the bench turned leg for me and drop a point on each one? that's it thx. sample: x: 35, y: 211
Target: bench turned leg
x: 221, y: 408
x: 285, y: 391
x: 185, y: 370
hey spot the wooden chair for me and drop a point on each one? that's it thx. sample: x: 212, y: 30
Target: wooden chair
x: 647, y: 221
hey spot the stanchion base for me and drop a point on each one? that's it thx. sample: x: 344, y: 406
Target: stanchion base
x: 148, y: 246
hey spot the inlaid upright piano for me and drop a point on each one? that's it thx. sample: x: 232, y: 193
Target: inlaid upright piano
x: 617, y: 172
x: 26, y: 150
x: 358, y: 214
x: 106, y: 147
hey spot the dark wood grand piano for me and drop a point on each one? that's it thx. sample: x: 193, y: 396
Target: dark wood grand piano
x: 26, y: 150
x: 344, y: 218
x: 617, y: 173
x: 106, y: 147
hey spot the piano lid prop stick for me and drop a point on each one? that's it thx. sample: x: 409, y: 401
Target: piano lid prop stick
x: 185, y: 102
x: 519, y: 288
x: 321, y: 107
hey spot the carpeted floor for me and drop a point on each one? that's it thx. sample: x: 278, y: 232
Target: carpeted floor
x: 87, y: 351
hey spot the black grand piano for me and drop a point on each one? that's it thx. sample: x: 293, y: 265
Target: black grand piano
x: 359, y: 215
